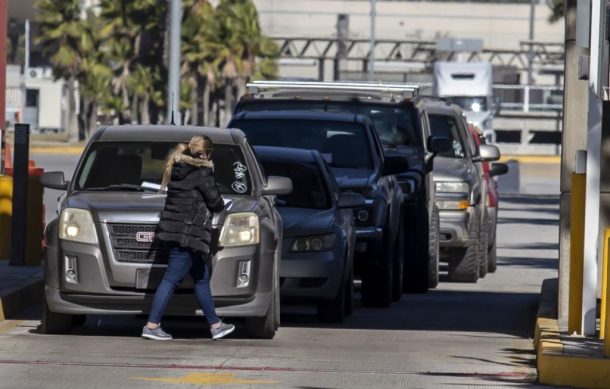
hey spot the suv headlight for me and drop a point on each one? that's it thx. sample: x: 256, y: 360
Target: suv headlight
x: 240, y: 229
x: 77, y: 225
x: 452, y: 187
x: 314, y: 243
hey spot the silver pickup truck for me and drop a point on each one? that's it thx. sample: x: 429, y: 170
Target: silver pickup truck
x: 100, y: 253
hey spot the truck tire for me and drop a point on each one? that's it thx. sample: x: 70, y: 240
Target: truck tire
x: 464, y: 264
x: 55, y: 323
x: 417, y: 249
x: 376, y: 289
x: 492, y: 259
x: 398, y: 273
x: 482, y: 252
x: 434, y: 250
x: 264, y: 327
x: 333, y: 311
x: 349, y: 293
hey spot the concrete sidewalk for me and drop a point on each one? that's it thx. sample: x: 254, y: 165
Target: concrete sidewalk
x: 20, y: 287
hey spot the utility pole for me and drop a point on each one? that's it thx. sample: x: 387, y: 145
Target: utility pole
x: 530, y: 56
x: 372, y: 49
x: 173, y: 88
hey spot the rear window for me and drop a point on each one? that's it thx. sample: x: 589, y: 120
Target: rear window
x: 395, y: 124
x: 344, y: 145
x: 308, y: 187
x: 446, y: 126
x: 109, y: 164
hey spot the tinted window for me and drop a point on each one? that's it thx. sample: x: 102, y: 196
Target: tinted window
x: 344, y: 145
x: 132, y: 163
x: 308, y: 187
x: 446, y: 126
x: 395, y: 125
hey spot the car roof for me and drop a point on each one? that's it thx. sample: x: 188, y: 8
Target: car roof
x: 330, y: 95
x: 302, y: 115
x: 163, y: 132
x: 286, y: 154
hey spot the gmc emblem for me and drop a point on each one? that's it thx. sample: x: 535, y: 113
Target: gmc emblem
x: 145, y: 236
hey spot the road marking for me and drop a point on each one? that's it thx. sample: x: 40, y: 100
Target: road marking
x: 206, y: 379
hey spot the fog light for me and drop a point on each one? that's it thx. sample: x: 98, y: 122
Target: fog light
x: 70, y: 269
x: 362, y: 215
x: 243, y: 274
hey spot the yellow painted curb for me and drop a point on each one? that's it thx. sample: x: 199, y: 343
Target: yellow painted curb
x: 71, y: 150
x: 25, y: 295
x: 557, y: 368
x: 533, y: 159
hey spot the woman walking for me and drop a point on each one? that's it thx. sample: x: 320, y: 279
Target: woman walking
x: 185, y: 227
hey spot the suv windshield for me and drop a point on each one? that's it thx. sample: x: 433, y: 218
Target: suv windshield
x: 445, y: 126
x: 308, y: 190
x: 119, y: 165
x: 470, y: 103
x: 394, y: 124
x: 344, y: 145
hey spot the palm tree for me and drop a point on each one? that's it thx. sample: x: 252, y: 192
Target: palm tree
x: 60, y: 39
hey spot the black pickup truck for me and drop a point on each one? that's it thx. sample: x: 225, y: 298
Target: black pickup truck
x: 403, y: 129
x: 350, y: 144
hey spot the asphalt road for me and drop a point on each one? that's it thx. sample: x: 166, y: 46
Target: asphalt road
x: 459, y: 335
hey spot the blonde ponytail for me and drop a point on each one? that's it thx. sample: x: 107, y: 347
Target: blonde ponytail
x: 169, y: 164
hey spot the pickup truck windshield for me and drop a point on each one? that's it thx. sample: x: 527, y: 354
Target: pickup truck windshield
x: 129, y: 165
x: 394, y: 124
x: 308, y: 187
x: 446, y: 126
x: 344, y: 145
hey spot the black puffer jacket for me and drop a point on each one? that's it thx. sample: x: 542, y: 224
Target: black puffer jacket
x: 192, y: 196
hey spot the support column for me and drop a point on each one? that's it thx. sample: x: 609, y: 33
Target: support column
x: 574, y: 137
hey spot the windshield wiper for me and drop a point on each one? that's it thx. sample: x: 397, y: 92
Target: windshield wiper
x: 118, y: 187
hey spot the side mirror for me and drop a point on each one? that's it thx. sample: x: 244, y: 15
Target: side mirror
x: 278, y: 186
x: 54, y: 180
x: 487, y: 153
x: 438, y: 144
x: 351, y: 200
x: 498, y: 169
x: 394, y: 164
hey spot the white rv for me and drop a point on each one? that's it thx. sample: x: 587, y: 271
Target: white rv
x: 468, y: 85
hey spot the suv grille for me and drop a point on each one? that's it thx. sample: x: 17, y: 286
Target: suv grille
x: 132, y: 243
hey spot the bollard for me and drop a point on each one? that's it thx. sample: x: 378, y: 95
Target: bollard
x: 6, y: 210
x: 577, y: 232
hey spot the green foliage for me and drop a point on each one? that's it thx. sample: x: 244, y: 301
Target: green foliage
x: 118, y: 53
x: 557, y: 10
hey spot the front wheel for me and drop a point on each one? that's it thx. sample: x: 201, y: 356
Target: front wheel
x: 434, y: 247
x: 399, y: 253
x: 264, y: 327
x: 417, y: 260
x: 333, y: 311
x: 492, y: 259
x: 376, y: 287
x: 55, y: 323
x: 482, y: 250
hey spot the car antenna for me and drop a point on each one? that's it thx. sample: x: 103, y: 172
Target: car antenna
x: 172, y: 121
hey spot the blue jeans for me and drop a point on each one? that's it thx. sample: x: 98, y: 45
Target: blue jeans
x: 181, y: 262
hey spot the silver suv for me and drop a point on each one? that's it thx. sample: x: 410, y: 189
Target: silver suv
x: 101, y: 256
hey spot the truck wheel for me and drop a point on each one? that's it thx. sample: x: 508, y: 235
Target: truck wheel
x: 417, y: 259
x: 55, y: 323
x: 333, y: 311
x: 465, y: 267
x: 492, y: 260
x: 434, y: 250
x: 482, y: 252
x: 263, y: 327
x: 398, y: 274
x: 376, y: 289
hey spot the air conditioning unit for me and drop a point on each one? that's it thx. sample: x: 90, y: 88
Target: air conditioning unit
x: 37, y: 72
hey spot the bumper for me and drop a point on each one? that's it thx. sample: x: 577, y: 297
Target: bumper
x: 368, y: 242
x: 312, y: 275
x: 454, y: 228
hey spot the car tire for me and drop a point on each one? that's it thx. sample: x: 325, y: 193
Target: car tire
x: 55, y: 323
x: 398, y: 273
x: 417, y: 260
x: 263, y: 327
x: 464, y: 264
x: 492, y: 259
x: 434, y: 250
x: 349, y: 293
x: 482, y: 251
x: 376, y: 289
x: 333, y: 311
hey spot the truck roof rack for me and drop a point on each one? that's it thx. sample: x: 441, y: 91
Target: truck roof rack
x: 406, y: 90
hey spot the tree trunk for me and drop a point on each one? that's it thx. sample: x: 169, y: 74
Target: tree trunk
x: 144, y: 110
x: 228, y: 100
x: 92, y: 123
x: 134, y: 109
x: 205, y: 106
x: 194, y: 104
x: 71, y: 121
x: 82, y: 116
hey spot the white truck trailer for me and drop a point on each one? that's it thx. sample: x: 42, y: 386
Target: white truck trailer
x: 468, y: 85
